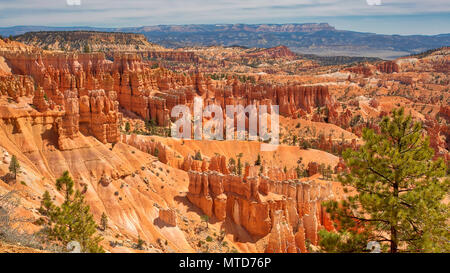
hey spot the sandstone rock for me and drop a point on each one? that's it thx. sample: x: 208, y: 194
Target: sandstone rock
x: 313, y: 168
x: 281, y: 239
x: 39, y: 100
x: 252, y: 201
x: 168, y: 216
x: 105, y: 180
x: 219, y: 163
x: 388, y: 67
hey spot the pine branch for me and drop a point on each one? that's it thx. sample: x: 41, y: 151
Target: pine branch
x: 379, y: 174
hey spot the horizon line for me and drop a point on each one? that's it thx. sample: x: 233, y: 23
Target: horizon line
x: 213, y: 24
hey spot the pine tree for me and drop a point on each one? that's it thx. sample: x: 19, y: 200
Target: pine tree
x: 65, y: 184
x: 239, y: 167
x: 399, y: 193
x: 14, y: 167
x: 239, y: 164
x: 232, y: 165
x: 104, y: 221
x: 150, y: 125
x: 72, y: 221
x: 258, y: 160
x: 298, y: 171
x: 322, y: 169
x: 198, y: 155
x: 86, y: 49
x: 329, y: 172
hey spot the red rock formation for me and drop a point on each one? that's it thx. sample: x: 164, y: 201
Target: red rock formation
x: 168, y: 216
x: 274, y: 52
x: 165, y: 155
x: 281, y: 238
x: 174, y: 56
x: 16, y: 86
x: 362, y: 70
x: 151, y: 93
x: 388, y: 67
x: 68, y: 126
x: 105, y: 180
x: 219, y: 164
x: 444, y: 112
x: 313, y: 168
x: 433, y: 130
x: 374, y: 103
x: 254, y: 202
x: 39, y: 100
x: 342, y: 119
x: 340, y: 167
x: 99, y: 116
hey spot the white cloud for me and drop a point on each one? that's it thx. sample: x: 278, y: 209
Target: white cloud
x: 374, y: 2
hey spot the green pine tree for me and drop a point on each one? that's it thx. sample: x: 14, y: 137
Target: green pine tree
x: 86, y: 49
x: 299, y: 172
x: 14, y: 167
x: 65, y: 184
x: 239, y: 167
x: 399, y: 193
x: 329, y: 172
x: 258, y: 160
x: 232, y: 165
x: 72, y: 221
x: 198, y: 156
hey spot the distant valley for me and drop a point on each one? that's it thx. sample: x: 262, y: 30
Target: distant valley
x: 320, y: 39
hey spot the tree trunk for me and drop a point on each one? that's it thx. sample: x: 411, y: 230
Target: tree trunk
x: 394, y: 240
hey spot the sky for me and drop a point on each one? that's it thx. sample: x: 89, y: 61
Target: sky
x: 379, y: 16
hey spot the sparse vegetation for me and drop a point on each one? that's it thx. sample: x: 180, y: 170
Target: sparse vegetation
x: 140, y: 243
x: 205, y: 218
x: 11, y: 225
x: 72, y: 220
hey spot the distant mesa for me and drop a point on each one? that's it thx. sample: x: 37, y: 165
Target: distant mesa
x: 87, y: 41
x: 310, y: 38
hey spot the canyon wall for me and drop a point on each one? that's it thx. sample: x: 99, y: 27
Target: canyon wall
x: 265, y: 206
x: 101, y: 86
